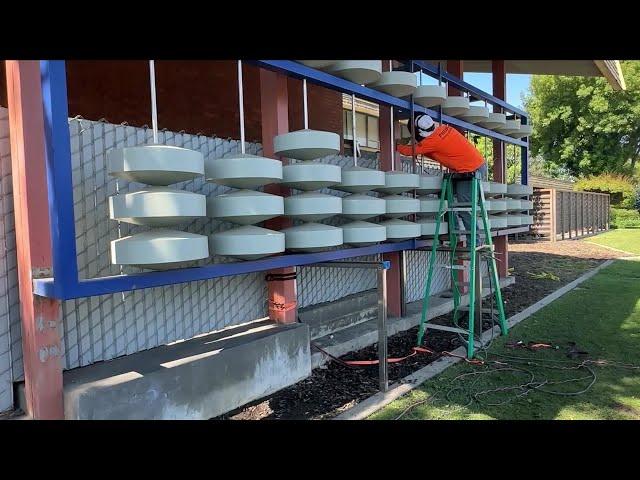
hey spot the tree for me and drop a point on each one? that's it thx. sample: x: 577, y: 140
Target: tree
x: 582, y: 126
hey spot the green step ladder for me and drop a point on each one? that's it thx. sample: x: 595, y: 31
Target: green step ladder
x: 469, y: 254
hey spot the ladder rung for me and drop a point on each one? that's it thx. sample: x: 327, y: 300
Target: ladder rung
x: 446, y: 329
x: 484, y: 310
x: 468, y: 232
x: 485, y: 280
x: 465, y: 249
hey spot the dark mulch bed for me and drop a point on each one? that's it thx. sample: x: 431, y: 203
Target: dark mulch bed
x: 335, y: 387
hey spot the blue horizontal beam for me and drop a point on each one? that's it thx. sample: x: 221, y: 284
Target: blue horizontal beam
x: 432, y: 71
x: 318, y: 77
x: 45, y: 287
x: 124, y: 283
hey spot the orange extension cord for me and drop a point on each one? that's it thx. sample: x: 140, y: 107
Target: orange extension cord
x: 416, y: 350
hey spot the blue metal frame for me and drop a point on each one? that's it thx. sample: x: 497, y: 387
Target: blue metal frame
x: 65, y: 283
x: 59, y: 179
x: 460, y: 84
x: 298, y: 70
x: 436, y: 72
x: 524, y: 160
x: 49, y: 287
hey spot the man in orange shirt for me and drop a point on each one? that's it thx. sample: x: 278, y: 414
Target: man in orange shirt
x: 450, y: 148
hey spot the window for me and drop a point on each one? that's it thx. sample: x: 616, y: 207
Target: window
x: 367, y: 130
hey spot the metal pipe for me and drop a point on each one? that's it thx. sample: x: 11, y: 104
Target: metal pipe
x: 154, y: 103
x: 403, y: 282
x: 393, y: 140
x: 478, y: 303
x: 304, y: 101
x: 383, y: 374
x: 413, y: 136
x: 241, y: 104
x: 364, y: 264
x: 353, y: 133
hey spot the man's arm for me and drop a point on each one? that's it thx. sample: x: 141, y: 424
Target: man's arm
x: 422, y: 148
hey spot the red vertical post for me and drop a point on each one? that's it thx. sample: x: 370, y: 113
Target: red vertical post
x: 499, y: 77
x: 274, y: 104
x: 455, y: 67
x: 394, y: 275
x: 40, y: 317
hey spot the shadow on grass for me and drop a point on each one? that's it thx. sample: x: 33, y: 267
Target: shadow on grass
x: 602, y: 317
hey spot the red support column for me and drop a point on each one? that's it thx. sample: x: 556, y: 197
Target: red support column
x: 394, y: 275
x: 274, y: 103
x: 499, y: 171
x: 455, y: 67
x: 40, y: 317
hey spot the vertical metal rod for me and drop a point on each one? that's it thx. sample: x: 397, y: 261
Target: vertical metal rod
x: 411, y: 127
x: 382, y: 330
x: 241, y: 105
x: 304, y: 102
x: 353, y: 133
x: 393, y: 141
x: 473, y: 265
x: 478, y: 303
x: 154, y: 103
x: 403, y: 283
x: 440, y: 106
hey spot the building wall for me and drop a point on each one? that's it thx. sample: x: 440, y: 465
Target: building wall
x: 197, y: 97
x: 105, y: 327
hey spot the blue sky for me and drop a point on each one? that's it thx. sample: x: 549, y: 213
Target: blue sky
x: 516, y: 85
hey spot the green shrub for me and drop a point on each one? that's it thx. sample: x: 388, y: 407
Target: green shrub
x: 624, y: 218
x: 621, y: 188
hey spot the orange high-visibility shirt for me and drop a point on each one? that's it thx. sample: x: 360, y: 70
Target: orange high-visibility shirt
x: 450, y: 148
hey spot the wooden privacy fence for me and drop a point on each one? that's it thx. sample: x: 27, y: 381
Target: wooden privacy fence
x: 560, y: 214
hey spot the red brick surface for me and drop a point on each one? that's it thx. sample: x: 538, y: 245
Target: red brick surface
x: 194, y: 96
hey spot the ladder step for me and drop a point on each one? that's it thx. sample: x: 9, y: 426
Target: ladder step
x: 485, y: 282
x: 446, y: 329
x: 465, y: 249
x: 484, y: 310
x: 468, y: 232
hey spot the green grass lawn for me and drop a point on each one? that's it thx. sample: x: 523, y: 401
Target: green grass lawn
x: 602, y: 316
x: 626, y: 239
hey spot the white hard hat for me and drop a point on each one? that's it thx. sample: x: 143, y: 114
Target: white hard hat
x: 424, y: 125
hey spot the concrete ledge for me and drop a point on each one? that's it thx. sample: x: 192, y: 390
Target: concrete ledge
x: 197, y: 379
x: 365, y: 333
x: 329, y: 317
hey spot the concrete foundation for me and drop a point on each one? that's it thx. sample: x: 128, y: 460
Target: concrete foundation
x: 330, y: 317
x: 197, y: 379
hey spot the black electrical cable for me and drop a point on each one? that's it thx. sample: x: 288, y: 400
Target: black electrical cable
x: 536, y: 380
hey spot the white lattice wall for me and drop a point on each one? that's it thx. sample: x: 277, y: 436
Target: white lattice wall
x: 10, y: 346
x: 108, y: 326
